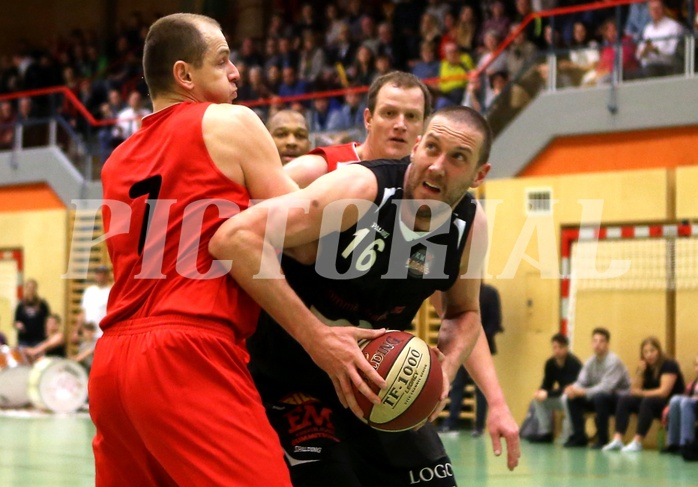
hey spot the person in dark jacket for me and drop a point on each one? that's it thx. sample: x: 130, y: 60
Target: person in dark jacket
x: 561, y: 370
x: 491, y: 315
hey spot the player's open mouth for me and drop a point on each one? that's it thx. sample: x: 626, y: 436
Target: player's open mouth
x: 431, y: 188
x: 397, y: 139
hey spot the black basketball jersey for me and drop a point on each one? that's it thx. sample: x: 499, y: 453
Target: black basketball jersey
x: 375, y: 274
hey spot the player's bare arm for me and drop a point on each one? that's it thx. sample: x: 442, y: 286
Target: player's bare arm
x: 258, y: 235
x: 243, y: 150
x: 306, y: 169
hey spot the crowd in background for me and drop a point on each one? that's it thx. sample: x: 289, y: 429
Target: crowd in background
x: 322, y: 46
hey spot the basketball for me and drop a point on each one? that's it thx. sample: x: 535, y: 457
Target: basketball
x: 414, y: 376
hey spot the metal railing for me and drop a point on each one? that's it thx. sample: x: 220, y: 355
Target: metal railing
x: 83, y: 146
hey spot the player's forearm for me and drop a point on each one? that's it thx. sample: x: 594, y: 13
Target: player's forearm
x: 267, y: 286
x: 481, y: 368
x: 457, y: 338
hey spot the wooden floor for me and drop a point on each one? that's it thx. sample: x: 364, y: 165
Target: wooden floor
x: 38, y: 450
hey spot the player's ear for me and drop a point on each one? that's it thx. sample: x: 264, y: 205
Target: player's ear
x: 416, y: 143
x: 481, y: 174
x: 182, y: 75
x: 367, y: 119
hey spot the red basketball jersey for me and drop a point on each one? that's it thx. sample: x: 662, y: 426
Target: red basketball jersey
x: 338, y: 155
x: 164, y: 199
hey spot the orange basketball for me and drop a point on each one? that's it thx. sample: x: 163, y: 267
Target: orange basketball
x: 414, y: 376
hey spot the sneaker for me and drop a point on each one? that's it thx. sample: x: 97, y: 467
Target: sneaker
x: 476, y: 433
x: 546, y: 438
x: 445, y: 429
x: 576, y: 441
x: 633, y: 446
x: 671, y: 449
x: 614, y: 445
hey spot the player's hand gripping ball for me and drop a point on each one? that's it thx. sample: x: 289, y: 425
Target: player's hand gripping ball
x: 415, y: 381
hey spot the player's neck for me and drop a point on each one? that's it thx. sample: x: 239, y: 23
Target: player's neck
x: 162, y: 102
x: 365, y: 153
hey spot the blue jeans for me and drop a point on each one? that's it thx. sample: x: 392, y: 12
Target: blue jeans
x: 682, y: 418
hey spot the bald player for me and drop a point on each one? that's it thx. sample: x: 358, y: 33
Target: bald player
x: 289, y: 129
x: 170, y: 394
x: 398, y: 104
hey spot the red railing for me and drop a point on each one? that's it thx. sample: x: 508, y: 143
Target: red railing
x: 73, y: 100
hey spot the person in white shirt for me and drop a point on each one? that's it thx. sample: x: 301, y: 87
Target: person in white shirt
x: 94, y: 301
x: 129, y: 119
x: 660, y: 38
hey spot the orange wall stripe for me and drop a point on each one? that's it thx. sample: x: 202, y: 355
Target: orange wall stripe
x: 642, y: 149
x: 29, y: 197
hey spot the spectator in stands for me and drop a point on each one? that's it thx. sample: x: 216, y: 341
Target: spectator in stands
x: 383, y: 65
x: 93, y: 305
x: 7, y: 125
x: 453, y: 73
x: 34, y: 131
x: 439, y: 9
x: 311, y: 58
x: 369, y: 35
x: 504, y: 100
x: 487, y: 61
x: 291, y: 85
x: 307, y: 21
x: 109, y: 110
x: 681, y: 417
x: 343, y: 50
x: 334, y: 23
x: 271, y: 53
x: 467, y: 30
x: 604, y: 69
x: 319, y: 116
x: 429, y: 30
x: 129, y: 119
x: 30, y: 316
x: 289, y: 129
x: 520, y: 54
x: 363, y: 70
x: 660, y: 38
x: 638, y: 18
x: 273, y: 79
x: 288, y: 56
x: 560, y: 371
x: 243, y: 83
x: 247, y: 54
x: 355, y: 12
x: 428, y: 66
x: 535, y: 28
x: 54, y: 343
x: 475, y: 94
x: 86, y: 348
x: 8, y: 75
x: 497, y: 21
x: 350, y: 114
x: 386, y: 46
x: 448, y: 32
x: 602, y: 378
x: 257, y: 84
x: 583, y: 56
x: 657, y: 378
x: 278, y: 27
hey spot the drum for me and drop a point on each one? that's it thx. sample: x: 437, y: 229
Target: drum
x: 14, y: 376
x: 58, y: 385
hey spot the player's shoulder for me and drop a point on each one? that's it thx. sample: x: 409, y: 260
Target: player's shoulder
x: 390, y: 171
x: 225, y: 114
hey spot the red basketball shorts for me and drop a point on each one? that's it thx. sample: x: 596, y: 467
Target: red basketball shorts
x: 174, y: 404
